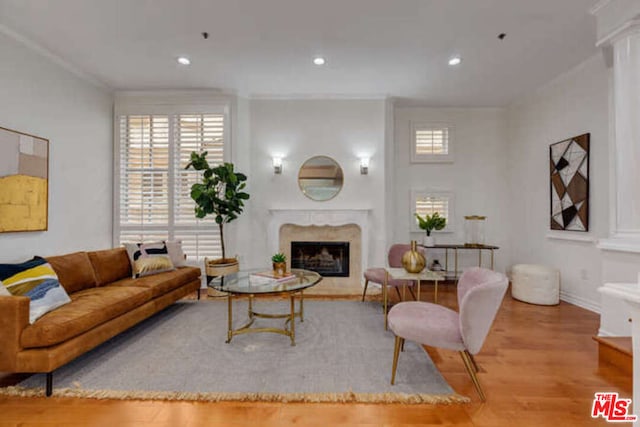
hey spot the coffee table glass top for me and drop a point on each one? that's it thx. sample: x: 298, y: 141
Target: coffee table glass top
x: 241, y: 283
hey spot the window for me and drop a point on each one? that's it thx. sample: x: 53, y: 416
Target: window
x: 431, y: 142
x: 153, y: 191
x: 427, y: 203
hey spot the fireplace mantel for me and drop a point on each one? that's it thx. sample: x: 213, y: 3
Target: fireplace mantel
x: 331, y: 217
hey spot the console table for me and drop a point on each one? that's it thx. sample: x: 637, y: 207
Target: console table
x: 461, y: 247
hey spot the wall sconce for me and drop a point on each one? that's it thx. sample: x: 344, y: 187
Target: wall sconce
x: 277, y: 165
x: 364, y: 165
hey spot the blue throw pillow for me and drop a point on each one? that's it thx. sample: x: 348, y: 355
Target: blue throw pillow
x: 37, y: 280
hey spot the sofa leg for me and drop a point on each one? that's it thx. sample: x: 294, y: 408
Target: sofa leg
x: 198, y: 294
x: 49, y: 389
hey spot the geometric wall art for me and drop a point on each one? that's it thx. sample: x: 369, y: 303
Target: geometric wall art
x: 569, y: 163
x: 24, y: 182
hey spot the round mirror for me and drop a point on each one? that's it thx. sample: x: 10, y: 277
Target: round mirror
x: 320, y: 178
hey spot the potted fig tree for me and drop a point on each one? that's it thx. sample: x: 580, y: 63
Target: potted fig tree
x: 220, y: 194
x: 430, y: 223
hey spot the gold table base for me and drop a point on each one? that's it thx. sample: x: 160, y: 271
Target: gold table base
x: 289, y: 328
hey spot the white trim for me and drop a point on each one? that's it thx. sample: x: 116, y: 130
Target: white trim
x: 619, y: 245
x: 41, y: 50
x: 605, y: 333
x: 598, y: 5
x: 571, y: 237
x: 579, y: 301
x: 614, y: 35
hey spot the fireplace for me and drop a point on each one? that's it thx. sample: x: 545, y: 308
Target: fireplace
x: 330, y: 259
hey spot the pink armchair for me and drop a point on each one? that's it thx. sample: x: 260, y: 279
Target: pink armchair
x: 480, y: 293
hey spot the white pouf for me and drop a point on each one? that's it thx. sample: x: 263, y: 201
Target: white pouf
x: 536, y: 284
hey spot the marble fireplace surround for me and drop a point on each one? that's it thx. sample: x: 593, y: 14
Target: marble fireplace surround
x: 320, y: 217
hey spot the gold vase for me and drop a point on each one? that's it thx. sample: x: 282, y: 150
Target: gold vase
x: 413, y: 261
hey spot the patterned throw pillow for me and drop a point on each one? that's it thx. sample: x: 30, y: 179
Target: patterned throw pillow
x: 148, y: 258
x: 34, y: 279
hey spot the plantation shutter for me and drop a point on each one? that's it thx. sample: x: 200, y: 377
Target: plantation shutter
x: 154, y: 200
x: 196, y: 132
x: 433, y: 141
x: 428, y: 205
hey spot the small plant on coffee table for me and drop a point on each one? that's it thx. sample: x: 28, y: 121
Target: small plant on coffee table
x: 279, y: 261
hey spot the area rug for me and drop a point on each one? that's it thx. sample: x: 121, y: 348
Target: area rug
x: 342, y: 354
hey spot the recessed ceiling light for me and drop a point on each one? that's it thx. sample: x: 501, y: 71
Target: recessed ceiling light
x: 319, y: 60
x: 184, y: 60
x: 455, y: 60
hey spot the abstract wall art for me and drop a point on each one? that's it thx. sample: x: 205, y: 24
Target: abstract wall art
x: 569, y: 162
x: 24, y: 182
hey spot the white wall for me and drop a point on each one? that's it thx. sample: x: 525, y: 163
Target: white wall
x: 477, y: 177
x: 298, y: 130
x: 575, y: 103
x: 41, y: 98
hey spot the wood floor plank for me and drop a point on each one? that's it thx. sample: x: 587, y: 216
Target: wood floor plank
x: 539, y: 367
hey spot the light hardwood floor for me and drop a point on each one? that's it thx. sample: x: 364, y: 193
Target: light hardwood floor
x: 539, y: 367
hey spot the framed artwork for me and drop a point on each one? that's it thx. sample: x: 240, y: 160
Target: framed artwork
x: 24, y: 182
x: 569, y: 163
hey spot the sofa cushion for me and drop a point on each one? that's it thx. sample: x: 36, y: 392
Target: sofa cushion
x: 74, y: 271
x: 87, y: 309
x: 160, y: 284
x: 110, y: 265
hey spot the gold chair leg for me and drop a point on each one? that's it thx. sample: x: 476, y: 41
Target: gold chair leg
x: 366, y: 283
x: 396, y: 353
x: 469, y: 365
x: 473, y: 362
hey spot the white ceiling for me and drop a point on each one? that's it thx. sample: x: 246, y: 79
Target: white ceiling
x: 265, y: 47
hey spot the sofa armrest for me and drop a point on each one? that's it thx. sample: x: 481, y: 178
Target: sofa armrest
x: 14, y: 317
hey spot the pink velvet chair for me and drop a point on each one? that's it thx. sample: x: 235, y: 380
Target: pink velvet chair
x: 376, y: 275
x: 480, y: 293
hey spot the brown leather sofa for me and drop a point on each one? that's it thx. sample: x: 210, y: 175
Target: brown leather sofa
x: 105, y: 301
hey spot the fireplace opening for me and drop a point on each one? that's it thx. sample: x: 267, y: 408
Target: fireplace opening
x: 329, y: 259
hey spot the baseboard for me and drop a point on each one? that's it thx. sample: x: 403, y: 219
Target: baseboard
x: 580, y: 302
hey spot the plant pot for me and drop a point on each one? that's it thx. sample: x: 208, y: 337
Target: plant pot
x: 413, y: 261
x: 221, y: 266
x: 428, y: 241
x: 279, y: 268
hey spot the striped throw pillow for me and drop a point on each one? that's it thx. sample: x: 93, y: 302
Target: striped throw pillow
x: 37, y: 280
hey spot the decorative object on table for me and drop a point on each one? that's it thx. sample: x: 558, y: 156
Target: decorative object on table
x: 279, y: 261
x: 430, y: 223
x: 413, y: 261
x: 219, y: 194
x: 24, y: 182
x: 436, y: 266
x: 474, y: 230
x: 270, y: 277
x: 569, y: 162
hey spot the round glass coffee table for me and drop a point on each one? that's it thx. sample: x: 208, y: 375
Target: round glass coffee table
x: 251, y: 284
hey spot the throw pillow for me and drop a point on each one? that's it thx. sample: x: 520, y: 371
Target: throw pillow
x: 148, y: 258
x: 37, y: 280
x: 174, y: 247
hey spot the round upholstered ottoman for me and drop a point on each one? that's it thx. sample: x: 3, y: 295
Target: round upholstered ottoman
x: 536, y: 284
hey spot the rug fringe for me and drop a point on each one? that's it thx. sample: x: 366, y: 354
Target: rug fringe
x: 347, y: 397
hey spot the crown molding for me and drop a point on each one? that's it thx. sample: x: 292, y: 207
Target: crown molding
x: 598, y: 6
x: 612, y: 36
x: 42, y: 51
x: 319, y: 96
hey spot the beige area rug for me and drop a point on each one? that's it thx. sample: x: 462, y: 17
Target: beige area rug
x: 342, y: 354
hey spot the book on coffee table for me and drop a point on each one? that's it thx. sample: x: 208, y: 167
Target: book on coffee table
x: 270, y: 277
